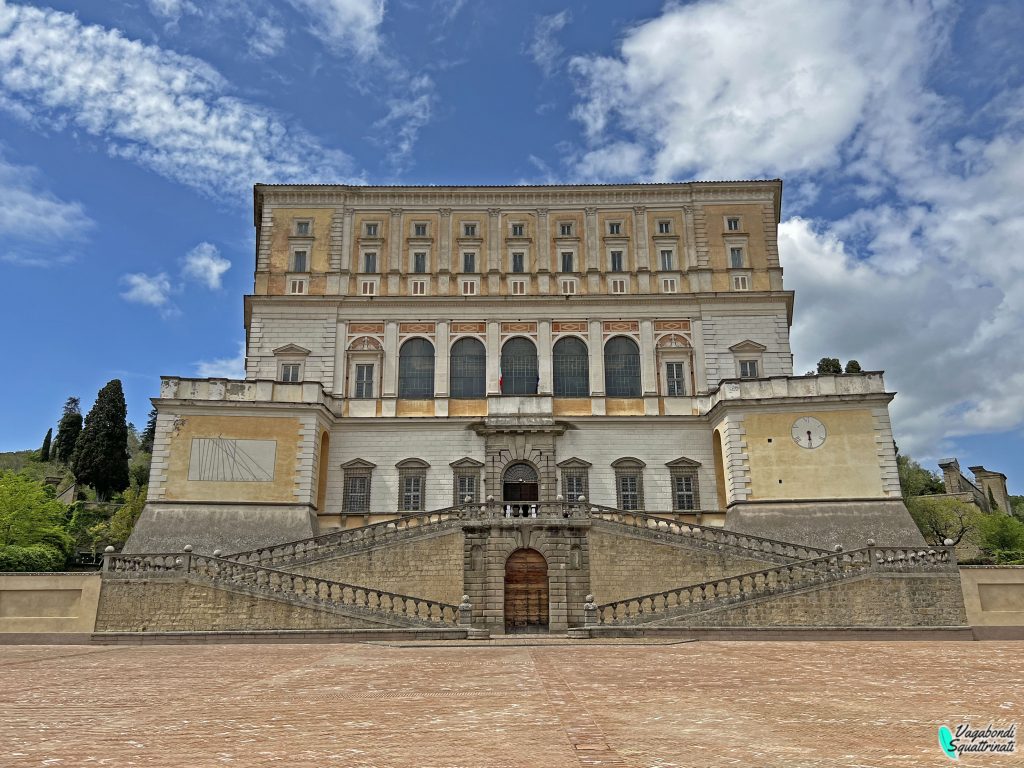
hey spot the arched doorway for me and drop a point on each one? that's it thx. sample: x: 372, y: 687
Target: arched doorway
x: 526, y: 592
x: 519, y: 484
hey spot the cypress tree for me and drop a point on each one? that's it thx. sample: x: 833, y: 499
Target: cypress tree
x: 830, y: 365
x: 149, y: 433
x: 101, y: 455
x: 44, y: 452
x: 853, y: 367
x: 68, y: 430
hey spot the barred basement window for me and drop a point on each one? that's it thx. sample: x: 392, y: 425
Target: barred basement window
x: 412, y: 482
x: 416, y: 369
x: 468, y: 369
x: 466, y: 486
x: 629, y: 483
x: 519, y: 367
x: 621, y: 368
x: 685, y: 494
x: 571, y: 368
x: 355, y: 497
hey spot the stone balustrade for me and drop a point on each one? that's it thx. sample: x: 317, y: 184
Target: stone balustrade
x: 243, y: 390
x: 798, y: 386
x: 784, y: 578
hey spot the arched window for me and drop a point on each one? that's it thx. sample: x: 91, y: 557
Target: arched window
x: 416, y: 369
x: 468, y: 369
x: 621, y: 368
x: 519, y: 367
x: 571, y: 368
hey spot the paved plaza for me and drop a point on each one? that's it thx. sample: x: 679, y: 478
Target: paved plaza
x: 730, y: 704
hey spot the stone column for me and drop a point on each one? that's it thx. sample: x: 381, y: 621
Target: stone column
x: 493, y: 357
x: 544, y: 386
x: 643, y: 261
x: 441, y: 360
x: 346, y: 251
x: 340, y: 342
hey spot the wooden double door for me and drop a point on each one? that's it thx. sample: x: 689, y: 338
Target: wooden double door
x: 526, y: 592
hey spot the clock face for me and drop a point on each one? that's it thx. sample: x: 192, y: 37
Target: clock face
x: 808, y: 432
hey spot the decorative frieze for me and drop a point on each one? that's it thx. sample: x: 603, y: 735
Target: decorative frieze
x: 356, y: 328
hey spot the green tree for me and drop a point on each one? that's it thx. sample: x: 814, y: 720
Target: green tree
x: 1017, y: 505
x: 68, y: 430
x: 123, y: 521
x: 32, y: 534
x: 149, y: 433
x: 1002, y: 538
x: 944, y: 518
x: 830, y: 365
x: 101, y: 454
x: 44, y: 452
x: 915, y: 480
x: 852, y: 366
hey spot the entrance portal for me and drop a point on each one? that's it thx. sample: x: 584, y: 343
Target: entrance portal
x: 526, y: 592
x: 519, y: 484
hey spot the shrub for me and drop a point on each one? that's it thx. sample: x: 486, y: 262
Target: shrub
x: 1001, y: 533
x: 36, y: 557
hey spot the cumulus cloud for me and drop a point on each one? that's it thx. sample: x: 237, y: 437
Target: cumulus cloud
x: 224, y: 367
x: 151, y: 290
x: 170, y: 113
x: 544, y: 48
x: 345, y: 25
x: 205, y: 265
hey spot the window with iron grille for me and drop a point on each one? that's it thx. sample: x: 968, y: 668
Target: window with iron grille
x: 571, y: 368
x: 685, y: 493
x: 519, y: 367
x: 419, y: 263
x: 621, y: 368
x: 411, y: 483
x: 616, y: 261
x: 518, y: 262
x: 416, y: 369
x: 468, y: 369
x: 629, y: 485
x: 466, y: 483
x: 364, y: 380
x: 567, y: 261
x: 574, y: 484
x: 469, y: 262
x: 356, y: 492
x: 675, y: 379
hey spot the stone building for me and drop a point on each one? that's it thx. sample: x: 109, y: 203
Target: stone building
x: 413, y: 349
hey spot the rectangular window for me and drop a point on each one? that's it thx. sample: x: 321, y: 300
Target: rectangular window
x: 420, y: 230
x: 469, y: 262
x: 630, y: 494
x: 302, y: 228
x: 736, y: 258
x: 369, y: 262
x: 666, y: 261
x: 364, y: 380
x: 565, y: 229
x: 664, y: 227
x: 567, y: 261
x: 614, y: 228
x: 517, y: 230
x: 574, y: 484
x: 618, y: 286
x: 412, y: 492
x: 469, y: 230
x: 748, y: 369
x: 296, y: 286
x: 518, y: 262
x: 356, y: 494
x: 419, y: 287
x: 740, y: 283
x: 299, y: 261
x: 568, y: 287
x: 290, y: 371
x: 466, y: 484
x: 616, y: 261
x: 371, y: 230
x: 732, y: 224
x: 684, y: 491
x: 419, y: 263
x: 468, y: 288
x: 669, y: 285
x: 368, y: 288
x: 675, y: 379
x: 518, y: 287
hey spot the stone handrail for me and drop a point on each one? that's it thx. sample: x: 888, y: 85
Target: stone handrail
x: 729, y: 590
x: 293, y: 587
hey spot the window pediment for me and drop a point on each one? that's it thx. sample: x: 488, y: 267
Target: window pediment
x: 748, y: 346
x: 682, y: 463
x: 574, y: 463
x: 412, y: 464
x: 358, y: 464
x: 628, y: 462
x: 466, y: 463
x: 291, y: 349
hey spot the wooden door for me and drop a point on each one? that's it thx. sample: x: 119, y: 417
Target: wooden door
x: 526, y: 592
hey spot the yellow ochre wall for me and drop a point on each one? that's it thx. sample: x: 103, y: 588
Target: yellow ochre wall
x: 281, y: 489
x: 844, y: 466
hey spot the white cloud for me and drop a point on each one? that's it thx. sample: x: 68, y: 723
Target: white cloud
x: 544, y: 48
x: 267, y: 39
x: 400, y: 127
x: 171, y: 9
x: 345, y: 25
x: 152, y: 290
x: 205, y: 265
x: 167, y: 112
x: 225, y: 367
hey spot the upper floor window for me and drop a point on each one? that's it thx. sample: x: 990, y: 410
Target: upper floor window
x: 469, y: 230
x: 669, y: 285
x: 419, y: 287
x: 574, y: 483
x: 616, y: 261
x: 666, y: 261
x: 368, y: 287
x: 567, y: 287
x: 621, y: 367
x: 517, y: 230
x: 518, y: 261
x: 369, y: 262
x: 748, y: 369
x: 740, y: 283
x: 736, y: 260
x: 371, y: 229
x: 420, y: 230
x: 468, y: 369
x: 303, y: 228
x: 419, y: 263
x: 518, y: 287
x: 567, y: 259
x: 469, y: 262
x: 571, y: 365
x: 297, y: 285
x: 364, y: 380
x: 618, y: 286
x: 614, y: 228
x: 291, y: 372
x: 519, y: 367
x: 416, y: 369
x: 664, y: 227
x: 565, y: 229
x: 732, y: 223
x: 299, y: 261
x: 675, y: 379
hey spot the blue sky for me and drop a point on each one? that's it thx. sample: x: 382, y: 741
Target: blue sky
x: 131, y: 133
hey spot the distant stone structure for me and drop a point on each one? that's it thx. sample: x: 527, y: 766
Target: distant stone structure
x: 986, y: 488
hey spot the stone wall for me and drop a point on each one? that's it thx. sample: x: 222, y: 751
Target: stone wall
x: 876, y: 600
x: 165, y: 606
x: 48, y: 602
x: 429, y: 568
x: 622, y: 565
x: 994, y: 595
